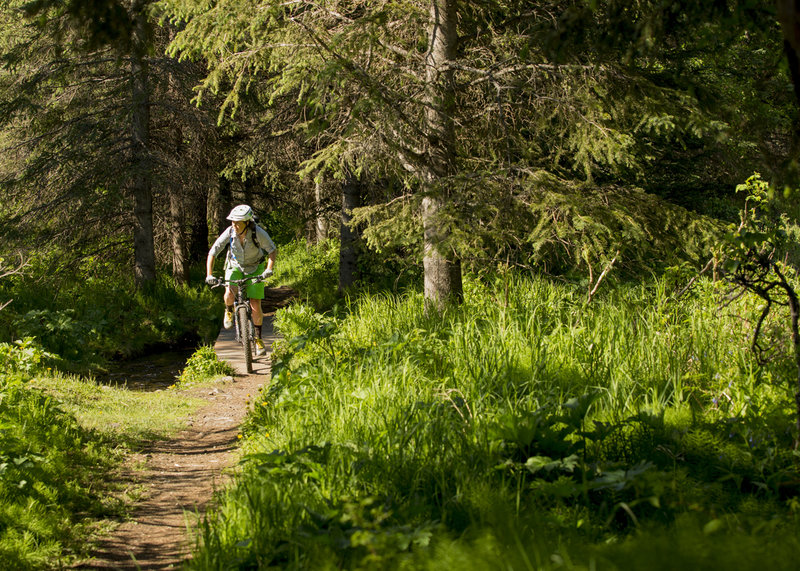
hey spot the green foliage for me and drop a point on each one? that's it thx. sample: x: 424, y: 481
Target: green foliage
x: 389, y: 439
x: 67, y: 110
x: 765, y: 234
x: 202, y: 366
x: 88, y: 320
x: 311, y: 270
x: 281, y: 226
x: 23, y: 357
x: 57, y: 433
x: 585, y: 227
x: 559, y: 119
x: 125, y: 418
x: 746, y: 541
x: 552, y: 224
x: 527, y: 423
x: 760, y: 257
x: 49, y: 493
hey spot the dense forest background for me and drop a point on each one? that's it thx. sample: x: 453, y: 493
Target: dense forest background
x: 546, y: 253
x: 553, y: 136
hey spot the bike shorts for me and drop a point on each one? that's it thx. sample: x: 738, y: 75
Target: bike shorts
x: 254, y: 291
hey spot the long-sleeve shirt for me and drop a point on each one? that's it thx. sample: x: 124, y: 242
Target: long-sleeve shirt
x: 244, y: 255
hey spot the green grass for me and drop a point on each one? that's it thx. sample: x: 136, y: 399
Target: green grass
x: 203, y: 366
x: 118, y: 413
x: 526, y: 429
x: 59, y: 430
x: 310, y: 270
x: 50, y: 498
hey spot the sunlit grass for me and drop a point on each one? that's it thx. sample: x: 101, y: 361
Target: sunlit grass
x: 491, y: 436
x: 50, y: 497
x: 65, y: 440
x: 202, y: 367
x: 117, y: 412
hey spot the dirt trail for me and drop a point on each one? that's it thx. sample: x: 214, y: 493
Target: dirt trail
x: 181, y: 474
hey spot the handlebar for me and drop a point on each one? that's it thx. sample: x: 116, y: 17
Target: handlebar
x: 242, y: 282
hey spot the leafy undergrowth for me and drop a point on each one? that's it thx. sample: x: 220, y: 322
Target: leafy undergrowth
x: 526, y: 429
x: 50, y: 497
x: 86, y: 323
x: 203, y: 366
x: 310, y: 270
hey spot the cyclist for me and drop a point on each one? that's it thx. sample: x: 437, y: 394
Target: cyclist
x: 248, y: 245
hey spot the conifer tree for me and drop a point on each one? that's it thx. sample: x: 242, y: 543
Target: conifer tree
x: 540, y: 110
x: 83, y: 91
x: 530, y: 98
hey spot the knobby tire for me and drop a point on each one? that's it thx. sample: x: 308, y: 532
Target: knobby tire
x: 245, y: 337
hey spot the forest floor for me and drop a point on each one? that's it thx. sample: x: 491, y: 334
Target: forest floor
x: 180, y: 475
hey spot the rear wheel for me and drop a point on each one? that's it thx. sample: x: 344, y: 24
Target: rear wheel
x: 245, y: 337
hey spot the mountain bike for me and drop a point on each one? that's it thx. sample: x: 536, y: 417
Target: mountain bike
x: 243, y: 326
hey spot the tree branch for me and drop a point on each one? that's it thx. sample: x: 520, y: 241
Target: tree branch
x: 602, y: 275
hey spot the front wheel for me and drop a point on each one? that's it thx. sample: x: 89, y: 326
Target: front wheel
x: 245, y: 337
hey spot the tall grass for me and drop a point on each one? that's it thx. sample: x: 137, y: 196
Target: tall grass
x: 310, y: 270
x: 58, y: 432
x: 525, y: 429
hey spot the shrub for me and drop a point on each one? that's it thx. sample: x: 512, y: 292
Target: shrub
x: 88, y: 322
x: 312, y: 271
x: 23, y: 356
x: 204, y: 365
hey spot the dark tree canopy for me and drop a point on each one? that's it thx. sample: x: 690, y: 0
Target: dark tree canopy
x: 562, y: 113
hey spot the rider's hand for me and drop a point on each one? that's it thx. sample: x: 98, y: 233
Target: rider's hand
x: 266, y: 273
x: 211, y: 280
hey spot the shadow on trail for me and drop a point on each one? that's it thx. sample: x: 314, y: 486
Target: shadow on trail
x: 276, y: 298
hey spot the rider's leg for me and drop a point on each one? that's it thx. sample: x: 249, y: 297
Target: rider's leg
x: 258, y: 318
x: 231, y: 291
x: 229, y: 297
x: 256, y: 292
x: 258, y: 315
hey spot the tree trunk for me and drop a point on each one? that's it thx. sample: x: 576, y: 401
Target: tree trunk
x: 177, y: 212
x: 322, y: 222
x: 198, y: 234
x: 310, y: 223
x: 442, y: 271
x: 789, y: 17
x: 180, y: 190
x: 347, y: 251
x: 224, y: 204
x: 441, y: 267
x: 794, y: 312
x: 180, y: 261
x: 794, y: 306
x: 141, y: 183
